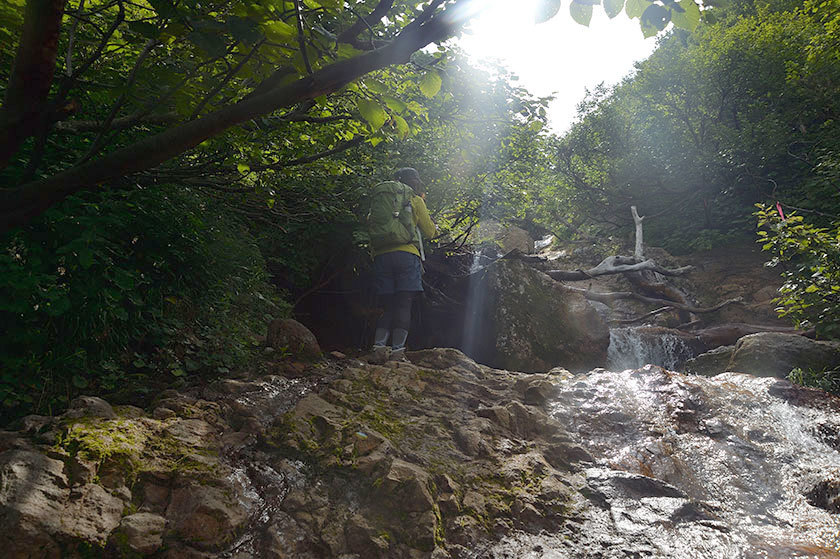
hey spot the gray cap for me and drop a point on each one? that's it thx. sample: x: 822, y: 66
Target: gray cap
x: 407, y: 174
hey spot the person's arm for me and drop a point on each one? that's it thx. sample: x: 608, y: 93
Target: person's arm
x: 422, y: 218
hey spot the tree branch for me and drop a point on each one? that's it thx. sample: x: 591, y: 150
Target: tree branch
x: 212, y: 93
x: 616, y: 295
x: 617, y: 265
x: 19, y: 204
x: 75, y: 126
x: 350, y: 34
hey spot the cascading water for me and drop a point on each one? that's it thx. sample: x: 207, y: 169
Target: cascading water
x: 635, y: 347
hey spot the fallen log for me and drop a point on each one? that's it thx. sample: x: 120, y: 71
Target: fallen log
x: 616, y: 295
x: 617, y: 265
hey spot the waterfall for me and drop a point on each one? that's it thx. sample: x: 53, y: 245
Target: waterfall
x: 635, y: 347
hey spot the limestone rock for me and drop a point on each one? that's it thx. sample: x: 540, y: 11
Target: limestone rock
x: 206, y: 517
x: 292, y: 336
x: 33, y: 489
x: 90, y: 406
x: 91, y: 514
x: 525, y: 321
x: 141, y: 532
x: 775, y: 354
x: 712, y: 362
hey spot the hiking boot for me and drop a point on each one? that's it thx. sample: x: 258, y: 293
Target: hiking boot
x: 378, y: 356
x: 399, y: 356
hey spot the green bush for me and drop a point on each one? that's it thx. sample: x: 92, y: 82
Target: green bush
x: 810, y: 295
x: 828, y: 381
x: 125, y: 291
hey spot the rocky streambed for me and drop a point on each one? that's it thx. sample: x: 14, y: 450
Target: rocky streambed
x: 439, y: 458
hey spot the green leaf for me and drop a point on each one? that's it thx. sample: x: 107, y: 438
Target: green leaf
x: 144, y: 28
x: 430, y: 84
x: 179, y: 372
x: 372, y: 112
x: 212, y: 44
x: 394, y: 104
x: 689, y: 18
x: 376, y: 86
x: 546, y: 9
x: 164, y: 8
x: 655, y: 17
x: 85, y: 258
x: 635, y: 8
x: 613, y: 7
x: 242, y: 168
x: 581, y: 13
x: 279, y: 31
x: 243, y: 29
x: 332, y: 5
x: 402, y: 126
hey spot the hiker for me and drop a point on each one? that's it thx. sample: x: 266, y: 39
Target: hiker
x: 397, y: 223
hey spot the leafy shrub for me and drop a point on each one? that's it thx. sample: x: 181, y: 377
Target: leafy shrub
x: 810, y: 295
x: 824, y: 380
x: 125, y: 290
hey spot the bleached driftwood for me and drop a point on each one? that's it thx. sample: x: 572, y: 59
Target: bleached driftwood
x: 617, y: 265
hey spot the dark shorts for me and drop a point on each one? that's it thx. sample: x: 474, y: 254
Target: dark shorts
x: 397, y: 271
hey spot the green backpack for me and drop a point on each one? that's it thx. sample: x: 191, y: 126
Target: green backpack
x: 390, y: 221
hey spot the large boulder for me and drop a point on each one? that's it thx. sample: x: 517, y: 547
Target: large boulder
x: 768, y: 354
x: 520, y: 319
x: 288, y: 335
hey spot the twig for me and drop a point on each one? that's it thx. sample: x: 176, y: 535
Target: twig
x: 302, y: 38
x: 212, y: 93
x: 132, y: 76
x: 71, y: 41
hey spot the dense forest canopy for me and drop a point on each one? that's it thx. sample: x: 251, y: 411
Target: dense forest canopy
x: 174, y: 173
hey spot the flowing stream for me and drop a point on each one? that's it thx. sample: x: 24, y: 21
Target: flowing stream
x: 686, y: 467
x: 634, y: 347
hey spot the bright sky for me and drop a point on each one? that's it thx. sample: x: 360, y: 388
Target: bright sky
x: 560, y: 56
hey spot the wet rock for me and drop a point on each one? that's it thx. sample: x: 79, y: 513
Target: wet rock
x: 825, y: 495
x: 206, y: 517
x: 292, y: 336
x: 527, y: 322
x: 776, y: 354
x: 712, y: 362
x: 444, y: 358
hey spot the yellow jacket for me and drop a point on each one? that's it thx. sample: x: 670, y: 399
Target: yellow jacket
x: 420, y: 214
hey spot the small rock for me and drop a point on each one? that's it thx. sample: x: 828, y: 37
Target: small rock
x: 35, y: 423
x: 205, y: 516
x: 89, y: 406
x: 475, y: 502
x: 141, y: 532
x: 362, y: 538
x: 162, y: 414
x: 365, y: 442
x: 338, y: 355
